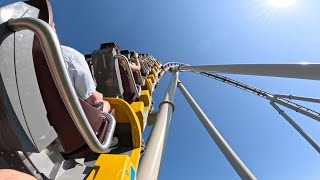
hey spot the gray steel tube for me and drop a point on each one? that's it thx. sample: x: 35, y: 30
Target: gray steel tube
x: 301, y: 98
x: 297, y: 70
x: 291, y: 105
x: 297, y: 127
x: 107, y: 140
x: 297, y: 109
x: 151, y: 161
x: 231, y: 156
x: 52, y: 51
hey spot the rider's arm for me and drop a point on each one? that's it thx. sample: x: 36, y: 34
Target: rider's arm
x: 137, y: 66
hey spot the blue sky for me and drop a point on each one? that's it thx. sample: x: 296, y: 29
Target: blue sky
x: 215, y: 32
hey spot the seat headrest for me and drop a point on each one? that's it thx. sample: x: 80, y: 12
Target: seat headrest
x: 109, y: 45
x: 45, y: 10
x: 125, y: 52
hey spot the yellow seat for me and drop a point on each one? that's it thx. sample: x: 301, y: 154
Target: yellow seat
x: 111, y: 166
x: 116, y: 166
x: 145, y: 98
x: 152, y: 78
x: 142, y: 113
x: 148, y: 85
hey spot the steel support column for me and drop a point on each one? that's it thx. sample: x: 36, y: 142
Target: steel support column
x: 275, y: 98
x: 306, y: 112
x: 296, y: 126
x: 301, y: 98
x: 150, y: 163
x: 231, y: 156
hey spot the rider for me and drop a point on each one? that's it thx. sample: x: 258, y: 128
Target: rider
x: 81, y: 77
x: 134, y: 61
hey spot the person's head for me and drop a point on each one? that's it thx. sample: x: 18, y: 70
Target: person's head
x: 131, y: 53
x: 134, y: 54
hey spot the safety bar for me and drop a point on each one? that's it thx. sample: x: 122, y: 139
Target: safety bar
x: 139, y: 74
x: 110, y: 129
x: 127, y: 66
x: 52, y: 51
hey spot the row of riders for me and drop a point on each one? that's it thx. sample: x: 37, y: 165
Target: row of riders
x: 111, y: 84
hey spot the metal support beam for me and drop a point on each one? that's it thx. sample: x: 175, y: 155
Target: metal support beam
x: 231, y: 156
x: 151, y: 160
x: 300, y: 109
x: 301, y: 98
x: 296, y: 126
x: 299, y: 71
x: 284, y: 102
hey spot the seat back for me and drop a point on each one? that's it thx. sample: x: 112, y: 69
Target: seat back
x: 88, y: 58
x: 147, y: 64
x: 128, y: 93
x: 144, y: 64
x: 107, y: 72
x: 128, y: 83
x: 138, y: 77
x: 143, y: 70
x: 58, y: 116
x: 136, y: 74
x: 104, y: 63
x: 23, y: 122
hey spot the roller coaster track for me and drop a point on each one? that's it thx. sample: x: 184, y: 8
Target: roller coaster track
x: 261, y: 93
